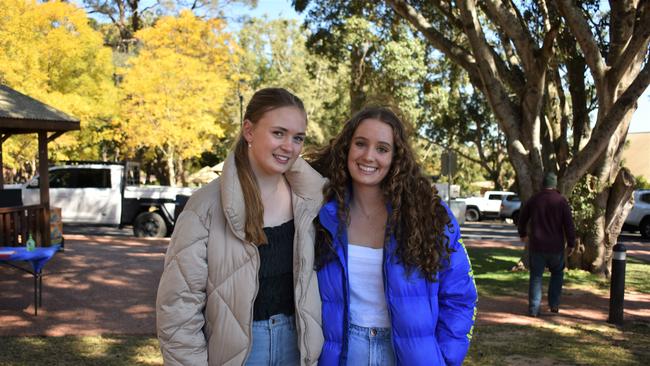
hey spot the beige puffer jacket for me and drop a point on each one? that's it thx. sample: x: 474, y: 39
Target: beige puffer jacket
x: 204, y: 309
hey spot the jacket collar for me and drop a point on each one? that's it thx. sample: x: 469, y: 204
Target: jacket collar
x: 329, y: 219
x: 306, y: 188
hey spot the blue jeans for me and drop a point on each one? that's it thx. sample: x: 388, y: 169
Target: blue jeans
x: 538, y: 262
x: 370, y: 346
x: 275, y: 342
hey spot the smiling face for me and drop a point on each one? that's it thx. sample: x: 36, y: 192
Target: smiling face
x: 371, y: 153
x: 275, y: 140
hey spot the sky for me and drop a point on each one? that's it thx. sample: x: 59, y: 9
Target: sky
x: 283, y: 9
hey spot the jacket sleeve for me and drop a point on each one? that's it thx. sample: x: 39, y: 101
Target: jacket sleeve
x: 457, y: 298
x: 182, y: 294
x: 569, y: 228
x: 524, y: 216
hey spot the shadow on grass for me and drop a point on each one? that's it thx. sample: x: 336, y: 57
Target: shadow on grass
x: 560, y: 345
x: 71, y: 350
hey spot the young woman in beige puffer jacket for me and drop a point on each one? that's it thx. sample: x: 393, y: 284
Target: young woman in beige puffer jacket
x: 238, y: 286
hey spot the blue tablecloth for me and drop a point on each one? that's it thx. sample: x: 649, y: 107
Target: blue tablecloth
x: 38, y: 257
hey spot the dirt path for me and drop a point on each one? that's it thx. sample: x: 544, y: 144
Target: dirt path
x: 99, y: 285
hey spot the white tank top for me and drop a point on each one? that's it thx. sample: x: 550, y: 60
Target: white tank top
x: 366, y: 277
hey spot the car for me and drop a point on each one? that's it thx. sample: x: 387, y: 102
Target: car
x: 107, y: 193
x: 639, y: 216
x: 479, y: 208
x: 510, y: 206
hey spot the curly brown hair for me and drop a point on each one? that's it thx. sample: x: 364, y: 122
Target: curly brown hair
x: 418, y: 218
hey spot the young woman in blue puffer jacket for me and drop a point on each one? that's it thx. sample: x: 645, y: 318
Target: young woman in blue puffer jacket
x: 395, y: 280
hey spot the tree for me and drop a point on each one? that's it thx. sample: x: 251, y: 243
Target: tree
x: 530, y: 63
x: 174, y: 88
x: 390, y: 64
x: 49, y: 51
x: 125, y: 15
x: 276, y: 55
x: 457, y: 117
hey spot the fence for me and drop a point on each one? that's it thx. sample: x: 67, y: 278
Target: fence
x: 17, y: 223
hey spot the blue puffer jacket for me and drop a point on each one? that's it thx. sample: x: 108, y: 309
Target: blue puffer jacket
x: 432, y: 322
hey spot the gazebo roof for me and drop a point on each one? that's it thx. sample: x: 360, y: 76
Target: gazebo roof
x: 22, y: 114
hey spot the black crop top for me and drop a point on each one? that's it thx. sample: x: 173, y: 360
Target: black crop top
x: 276, y: 290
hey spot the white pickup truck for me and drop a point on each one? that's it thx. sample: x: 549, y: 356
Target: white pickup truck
x: 109, y: 194
x: 479, y: 208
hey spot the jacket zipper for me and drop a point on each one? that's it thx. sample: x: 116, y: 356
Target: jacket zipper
x: 385, y: 262
x: 300, y: 299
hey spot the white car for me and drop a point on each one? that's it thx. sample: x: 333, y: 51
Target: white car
x: 639, y: 216
x: 479, y: 208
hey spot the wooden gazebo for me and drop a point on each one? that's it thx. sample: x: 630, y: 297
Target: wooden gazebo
x: 20, y: 114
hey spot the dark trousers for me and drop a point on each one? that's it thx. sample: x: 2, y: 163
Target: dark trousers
x: 538, y: 262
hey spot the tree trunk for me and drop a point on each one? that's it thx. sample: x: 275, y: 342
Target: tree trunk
x: 358, y: 75
x: 171, y: 171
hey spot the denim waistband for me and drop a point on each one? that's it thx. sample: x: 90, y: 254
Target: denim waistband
x: 381, y: 333
x: 276, y: 320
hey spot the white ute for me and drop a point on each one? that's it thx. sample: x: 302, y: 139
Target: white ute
x: 109, y: 194
x: 479, y: 208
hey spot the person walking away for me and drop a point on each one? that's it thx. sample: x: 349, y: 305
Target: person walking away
x: 395, y: 279
x: 238, y: 285
x: 546, y: 224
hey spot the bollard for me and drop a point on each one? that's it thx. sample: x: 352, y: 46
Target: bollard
x: 617, y: 289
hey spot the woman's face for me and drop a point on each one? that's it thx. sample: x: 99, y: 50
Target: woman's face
x: 276, y: 140
x: 371, y: 152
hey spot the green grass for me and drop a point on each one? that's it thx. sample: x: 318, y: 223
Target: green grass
x: 494, y: 278
x: 553, y: 344
x: 595, y: 344
x: 115, y: 350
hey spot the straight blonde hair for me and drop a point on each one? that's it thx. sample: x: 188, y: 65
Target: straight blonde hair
x: 263, y: 101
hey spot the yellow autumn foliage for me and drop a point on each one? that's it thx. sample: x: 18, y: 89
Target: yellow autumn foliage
x: 49, y: 52
x: 174, y: 88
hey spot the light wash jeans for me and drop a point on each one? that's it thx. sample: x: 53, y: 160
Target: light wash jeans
x: 538, y: 262
x: 275, y: 342
x: 370, y: 346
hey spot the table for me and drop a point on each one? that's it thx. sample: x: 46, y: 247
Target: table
x: 38, y: 258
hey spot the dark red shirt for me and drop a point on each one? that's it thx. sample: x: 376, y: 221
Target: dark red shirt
x: 546, y: 220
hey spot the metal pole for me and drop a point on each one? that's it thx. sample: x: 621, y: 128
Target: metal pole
x: 617, y: 289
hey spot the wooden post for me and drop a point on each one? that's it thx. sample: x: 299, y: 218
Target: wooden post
x: 43, y: 165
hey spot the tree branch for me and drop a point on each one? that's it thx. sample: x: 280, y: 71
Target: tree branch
x: 456, y: 150
x: 637, y: 44
x: 458, y: 54
x: 494, y: 90
x: 510, y: 24
x: 580, y: 29
x: 605, y: 129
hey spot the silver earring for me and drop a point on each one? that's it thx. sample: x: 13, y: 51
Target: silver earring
x: 249, y: 145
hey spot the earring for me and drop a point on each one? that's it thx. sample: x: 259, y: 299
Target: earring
x: 249, y: 145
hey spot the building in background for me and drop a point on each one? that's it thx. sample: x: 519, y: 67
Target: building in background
x: 636, y: 155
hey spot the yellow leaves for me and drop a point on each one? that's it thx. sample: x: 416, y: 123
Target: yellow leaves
x: 49, y: 52
x: 174, y: 89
